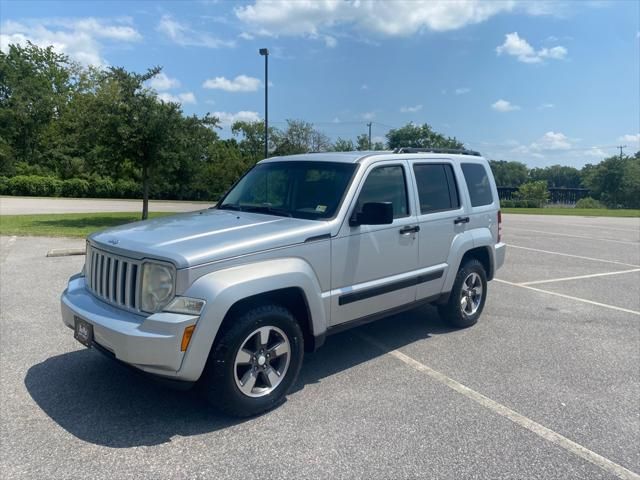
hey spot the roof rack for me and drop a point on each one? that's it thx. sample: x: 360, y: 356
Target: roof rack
x: 457, y: 151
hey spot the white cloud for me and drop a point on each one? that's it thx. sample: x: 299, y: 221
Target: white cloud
x: 330, y: 41
x: 414, y: 109
x: 595, y: 152
x: 82, y: 39
x: 552, y: 141
x: 228, y: 118
x: 368, y: 115
x: 364, y: 87
x: 311, y: 18
x: 336, y: 120
x: 184, y: 35
x: 504, y: 106
x: 462, y: 91
x: 246, y: 36
x: 242, y: 83
x: 546, y: 106
x: 630, y: 138
x: 182, y: 98
x: 518, y: 47
x: 163, y: 82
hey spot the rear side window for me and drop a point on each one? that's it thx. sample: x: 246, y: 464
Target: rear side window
x: 478, y: 184
x: 436, y: 187
x: 386, y: 184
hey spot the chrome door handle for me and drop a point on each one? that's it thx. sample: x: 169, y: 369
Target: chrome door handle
x: 409, y: 229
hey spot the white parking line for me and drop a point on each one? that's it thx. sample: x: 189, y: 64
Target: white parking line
x: 599, y: 239
x: 580, y: 277
x: 578, y: 299
x: 515, y: 417
x: 510, y: 245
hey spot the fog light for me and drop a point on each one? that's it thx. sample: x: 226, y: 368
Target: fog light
x: 186, y: 337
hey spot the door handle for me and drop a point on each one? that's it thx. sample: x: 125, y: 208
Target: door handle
x: 409, y: 229
x: 461, y: 220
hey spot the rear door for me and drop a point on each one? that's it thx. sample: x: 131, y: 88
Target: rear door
x: 441, y: 218
x: 373, y: 266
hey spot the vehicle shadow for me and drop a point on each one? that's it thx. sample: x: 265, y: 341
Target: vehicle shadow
x: 101, y: 402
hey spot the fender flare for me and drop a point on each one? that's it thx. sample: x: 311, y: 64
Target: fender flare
x: 223, y: 288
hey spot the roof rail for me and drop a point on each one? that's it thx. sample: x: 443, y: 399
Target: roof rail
x: 457, y: 151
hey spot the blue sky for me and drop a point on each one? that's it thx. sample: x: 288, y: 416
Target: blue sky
x: 538, y: 82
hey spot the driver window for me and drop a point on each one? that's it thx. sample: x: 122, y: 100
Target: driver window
x: 386, y: 184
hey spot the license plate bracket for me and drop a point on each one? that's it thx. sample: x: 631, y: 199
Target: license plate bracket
x: 83, y: 331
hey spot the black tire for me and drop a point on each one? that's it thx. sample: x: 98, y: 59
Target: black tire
x: 452, y: 311
x: 218, y: 381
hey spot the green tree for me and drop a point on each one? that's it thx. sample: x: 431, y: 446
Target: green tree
x: 342, y: 145
x: 132, y: 124
x: 362, y: 142
x: 34, y: 87
x: 615, y: 181
x: 251, y: 142
x: 509, y: 174
x: 559, y: 176
x: 420, y: 136
x: 300, y: 137
x: 534, y: 193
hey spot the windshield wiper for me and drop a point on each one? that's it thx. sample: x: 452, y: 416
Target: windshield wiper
x: 267, y: 209
x: 231, y: 206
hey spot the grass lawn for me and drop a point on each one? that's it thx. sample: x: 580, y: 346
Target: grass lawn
x: 66, y: 224
x: 581, y: 212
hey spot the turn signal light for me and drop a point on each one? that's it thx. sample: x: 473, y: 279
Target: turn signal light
x: 186, y: 337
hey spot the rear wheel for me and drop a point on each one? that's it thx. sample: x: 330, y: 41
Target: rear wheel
x: 254, y: 363
x: 467, y: 297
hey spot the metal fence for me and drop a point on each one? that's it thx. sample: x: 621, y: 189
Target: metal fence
x: 563, y: 196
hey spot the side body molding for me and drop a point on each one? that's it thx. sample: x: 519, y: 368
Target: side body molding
x: 223, y: 288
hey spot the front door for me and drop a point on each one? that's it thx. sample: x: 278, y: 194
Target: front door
x: 373, y: 265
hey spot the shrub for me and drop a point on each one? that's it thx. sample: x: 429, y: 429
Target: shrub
x: 4, y: 185
x: 536, y: 194
x: 127, y: 189
x: 33, y: 185
x: 519, y: 204
x: 102, y: 188
x: 589, y: 202
x: 75, y: 187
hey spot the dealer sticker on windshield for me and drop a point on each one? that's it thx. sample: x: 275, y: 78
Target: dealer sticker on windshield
x: 321, y: 208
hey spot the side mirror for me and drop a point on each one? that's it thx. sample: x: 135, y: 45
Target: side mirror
x: 373, y: 213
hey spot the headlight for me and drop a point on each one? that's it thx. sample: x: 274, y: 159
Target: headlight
x: 157, y: 286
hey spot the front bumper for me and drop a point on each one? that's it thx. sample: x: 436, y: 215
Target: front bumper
x: 151, y: 344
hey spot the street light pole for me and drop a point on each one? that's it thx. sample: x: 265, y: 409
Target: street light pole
x: 265, y: 53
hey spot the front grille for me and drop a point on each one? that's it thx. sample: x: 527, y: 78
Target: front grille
x: 113, y: 278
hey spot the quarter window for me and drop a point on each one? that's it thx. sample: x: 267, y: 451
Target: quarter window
x: 436, y: 187
x: 478, y: 184
x: 386, y: 184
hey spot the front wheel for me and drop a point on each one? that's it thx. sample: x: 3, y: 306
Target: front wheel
x: 467, y: 296
x: 254, y: 363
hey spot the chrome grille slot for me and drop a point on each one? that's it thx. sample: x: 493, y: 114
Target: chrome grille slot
x: 112, y: 278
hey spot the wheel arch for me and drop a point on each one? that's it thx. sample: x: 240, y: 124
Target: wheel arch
x: 291, y: 282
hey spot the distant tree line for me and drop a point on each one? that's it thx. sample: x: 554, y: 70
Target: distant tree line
x: 614, y: 182
x: 69, y: 130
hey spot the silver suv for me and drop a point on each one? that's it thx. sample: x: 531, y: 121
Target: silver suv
x: 300, y: 247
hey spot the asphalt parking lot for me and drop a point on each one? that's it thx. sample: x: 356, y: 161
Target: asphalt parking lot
x: 546, y: 385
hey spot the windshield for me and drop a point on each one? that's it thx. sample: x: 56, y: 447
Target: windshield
x: 311, y: 190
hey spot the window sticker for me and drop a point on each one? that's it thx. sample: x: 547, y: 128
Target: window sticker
x: 321, y: 208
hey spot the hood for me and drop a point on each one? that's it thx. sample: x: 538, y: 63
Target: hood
x: 194, y: 238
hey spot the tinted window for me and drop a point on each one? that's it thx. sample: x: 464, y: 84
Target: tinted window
x: 300, y: 189
x: 436, y: 187
x: 386, y: 184
x: 478, y: 184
